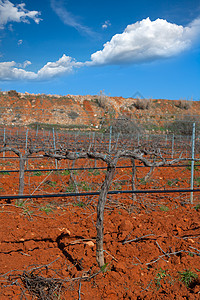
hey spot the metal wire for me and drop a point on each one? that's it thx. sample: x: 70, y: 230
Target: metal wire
x: 97, y: 193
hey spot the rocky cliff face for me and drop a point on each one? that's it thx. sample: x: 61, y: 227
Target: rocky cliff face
x: 89, y: 111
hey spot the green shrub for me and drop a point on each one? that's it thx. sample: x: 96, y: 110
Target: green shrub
x: 36, y: 173
x: 66, y: 172
x: 188, y: 277
x: 47, y: 209
x: 164, y: 208
x: 73, y: 115
x: 197, y: 207
x: 161, y: 276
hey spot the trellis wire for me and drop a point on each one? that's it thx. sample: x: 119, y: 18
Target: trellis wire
x: 97, y: 193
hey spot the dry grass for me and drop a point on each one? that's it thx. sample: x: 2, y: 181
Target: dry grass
x: 183, y: 104
x: 142, y: 104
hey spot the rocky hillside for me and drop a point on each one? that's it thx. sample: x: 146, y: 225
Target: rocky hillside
x: 90, y: 111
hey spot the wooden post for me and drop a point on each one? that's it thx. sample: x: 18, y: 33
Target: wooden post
x: 133, y: 178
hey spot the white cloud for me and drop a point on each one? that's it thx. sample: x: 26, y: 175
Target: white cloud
x: 146, y: 41
x: 68, y: 18
x: 10, y: 12
x: 106, y: 24
x: 13, y: 71
x: 24, y: 65
x: 10, y: 71
x: 143, y: 41
x: 19, y: 42
x: 64, y: 65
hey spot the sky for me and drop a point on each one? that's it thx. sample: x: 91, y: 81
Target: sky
x: 119, y: 47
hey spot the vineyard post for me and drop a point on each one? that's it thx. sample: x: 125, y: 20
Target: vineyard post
x: 93, y: 137
x: 37, y: 130
x: 94, y: 143
x: 192, y: 163
x: 4, y: 141
x: 26, y: 139
x: 54, y: 144
x: 187, y: 145
x: 21, y: 174
x: 173, y: 145
x: 26, y: 147
x: 166, y: 140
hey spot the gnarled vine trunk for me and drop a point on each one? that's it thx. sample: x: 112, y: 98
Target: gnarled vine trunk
x: 100, y: 213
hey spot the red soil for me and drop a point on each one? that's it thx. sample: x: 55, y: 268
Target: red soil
x: 60, y: 231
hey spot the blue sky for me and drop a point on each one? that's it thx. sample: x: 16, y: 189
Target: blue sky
x: 81, y: 47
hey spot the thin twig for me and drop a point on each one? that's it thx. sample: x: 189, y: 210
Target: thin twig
x: 79, y: 291
x: 128, y: 236
x: 137, y: 259
x: 41, y: 182
x: 81, y: 240
x: 174, y: 253
x: 147, y: 286
x: 24, y: 254
x: 195, y: 249
x: 187, y: 237
x: 162, y: 249
x: 45, y: 266
x: 138, y: 239
x: 111, y: 255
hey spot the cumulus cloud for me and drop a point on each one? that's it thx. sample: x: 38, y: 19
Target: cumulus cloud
x: 10, y: 12
x: 13, y: 71
x: 147, y: 41
x: 106, y: 24
x: 65, y: 64
x: 68, y: 18
x: 144, y: 41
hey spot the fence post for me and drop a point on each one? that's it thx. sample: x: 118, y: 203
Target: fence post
x: 26, y: 139
x: 26, y: 146
x: 4, y: 141
x: 192, y: 163
x: 173, y: 146
x: 54, y: 144
x: 94, y: 145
